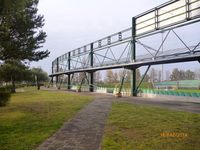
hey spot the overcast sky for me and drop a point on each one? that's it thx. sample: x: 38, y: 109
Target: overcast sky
x: 72, y: 23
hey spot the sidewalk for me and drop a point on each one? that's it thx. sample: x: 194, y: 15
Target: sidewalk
x: 84, y: 131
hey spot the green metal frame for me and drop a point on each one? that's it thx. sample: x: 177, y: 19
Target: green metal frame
x: 91, y: 74
x: 133, y: 56
x: 57, y: 69
x: 136, y: 90
x: 82, y: 80
x: 132, y: 37
x: 69, y: 75
x: 121, y: 84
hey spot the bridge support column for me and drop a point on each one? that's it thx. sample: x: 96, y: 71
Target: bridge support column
x: 56, y: 80
x: 68, y: 82
x: 51, y: 83
x: 91, y: 81
x: 91, y: 74
x: 68, y: 76
x: 133, y: 56
x: 52, y: 71
x: 57, y: 70
x: 133, y: 82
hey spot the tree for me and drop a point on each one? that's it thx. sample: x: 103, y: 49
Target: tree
x: 153, y: 75
x: 167, y: 75
x: 10, y: 6
x: 189, y: 75
x: 138, y: 75
x: 128, y: 75
x: 175, y: 75
x: 97, y: 76
x: 146, y: 78
x: 82, y: 76
x: 21, y: 34
x: 159, y: 76
x: 197, y: 74
x: 182, y: 75
x: 12, y: 71
x: 116, y: 77
x: 110, y: 77
x: 39, y: 76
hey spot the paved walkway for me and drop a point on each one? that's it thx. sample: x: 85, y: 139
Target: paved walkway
x: 84, y: 131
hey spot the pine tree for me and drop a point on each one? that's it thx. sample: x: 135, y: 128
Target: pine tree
x: 11, y: 6
x: 21, y: 34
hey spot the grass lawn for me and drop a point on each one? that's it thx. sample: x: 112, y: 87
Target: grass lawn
x: 136, y: 127
x: 32, y: 116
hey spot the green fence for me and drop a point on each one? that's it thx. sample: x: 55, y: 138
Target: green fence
x: 181, y: 84
x: 170, y: 92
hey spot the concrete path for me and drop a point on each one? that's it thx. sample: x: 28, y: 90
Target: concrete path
x: 84, y: 131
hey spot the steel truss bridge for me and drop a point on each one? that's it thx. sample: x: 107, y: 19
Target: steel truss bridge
x: 122, y: 49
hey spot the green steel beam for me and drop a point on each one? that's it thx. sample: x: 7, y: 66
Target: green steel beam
x: 91, y: 81
x: 121, y: 84
x: 142, y: 78
x: 69, y: 60
x: 79, y: 88
x: 51, y: 82
x: 68, y: 82
x: 91, y: 54
x: 69, y: 67
x: 138, y: 64
x: 57, y: 70
x: 91, y: 74
x: 133, y: 56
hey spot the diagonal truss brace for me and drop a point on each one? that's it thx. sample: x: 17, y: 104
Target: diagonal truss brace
x: 122, y: 82
x: 136, y: 90
x: 85, y: 77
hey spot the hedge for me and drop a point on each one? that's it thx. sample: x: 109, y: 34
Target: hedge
x: 4, y: 95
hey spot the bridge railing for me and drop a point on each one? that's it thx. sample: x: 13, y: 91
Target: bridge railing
x: 170, y: 15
